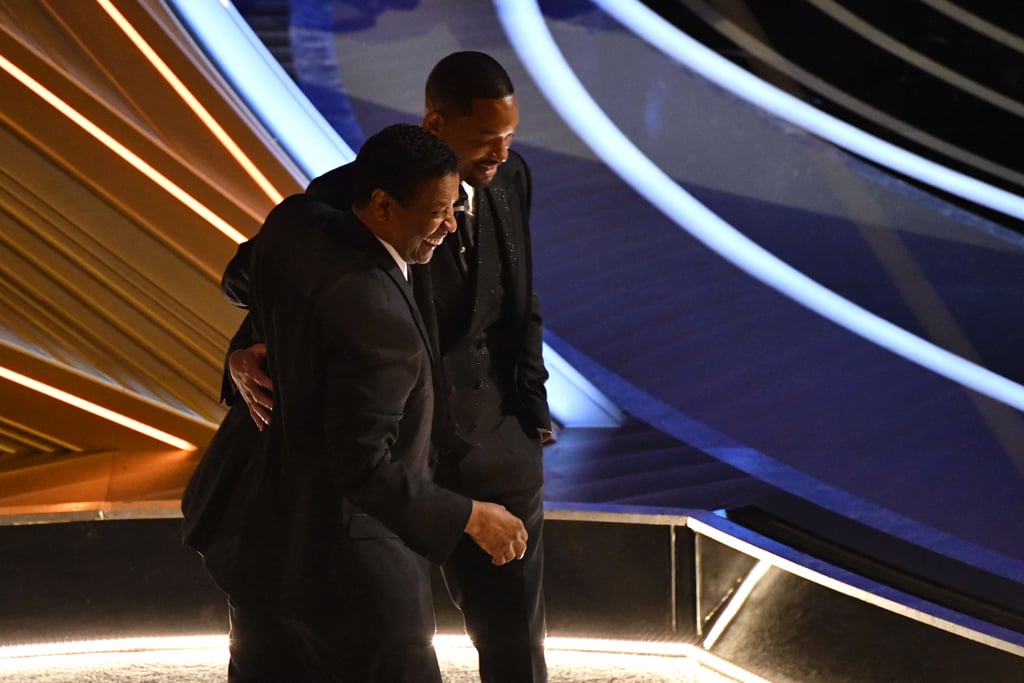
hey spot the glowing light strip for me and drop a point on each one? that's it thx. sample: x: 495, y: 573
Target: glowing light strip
x: 902, y: 51
x: 687, y: 51
x: 739, y: 598
x: 975, y: 22
x: 261, y: 82
x: 872, y: 597
x: 194, y: 104
x: 535, y: 46
x: 899, y: 49
x: 40, y: 441
x: 659, y: 649
x: 632, y: 647
x: 88, y: 647
x: 95, y: 409
x: 122, y: 151
x: 577, y: 402
x: 625, y: 647
x: 765, y: 53
x: 442, y: 642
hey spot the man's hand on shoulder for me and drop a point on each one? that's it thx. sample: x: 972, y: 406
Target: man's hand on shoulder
x: 249, y: 373
x: 499, y: 533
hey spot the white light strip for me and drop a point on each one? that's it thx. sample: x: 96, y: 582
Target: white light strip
x: 723, y: 531
x: 261, y: 82
x: 901, y: 51
x: 97, y: 410
x: 955, y: 12
x: 89, y: 647
x: 133, y: 159
x: 632, y: 647
x: 736, y: 602
x: 535, y: 46
x: 692, y: 54
x: 842, y: 587
x: 576, y: 401
x: 441, y: 642
x: 755, y: 47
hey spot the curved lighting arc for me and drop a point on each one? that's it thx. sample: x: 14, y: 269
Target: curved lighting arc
x: 264, y: 86
x: 685, y: 50
x: 317, y: 148
x: 529, y: 35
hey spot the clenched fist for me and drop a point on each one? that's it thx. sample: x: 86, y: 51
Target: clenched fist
x: 497, y: 531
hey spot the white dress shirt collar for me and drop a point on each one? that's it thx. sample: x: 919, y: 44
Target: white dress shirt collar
x: 402, y: 265
x: 470, y: 196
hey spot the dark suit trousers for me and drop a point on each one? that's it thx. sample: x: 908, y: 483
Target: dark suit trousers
x: 503, y: 607
x: 268, y: 649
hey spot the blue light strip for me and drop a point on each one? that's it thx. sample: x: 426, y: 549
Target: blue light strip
x: 535, y: 46
x: 692, y: 54
x: 261, y: 82
x: 317, y: 148
x: 584, y: 405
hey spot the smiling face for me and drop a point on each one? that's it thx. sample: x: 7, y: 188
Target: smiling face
x: 416, y: 229
x: 481, y: 138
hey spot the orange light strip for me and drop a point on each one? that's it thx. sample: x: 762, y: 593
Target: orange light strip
x: 211, y: 123
x: 122, y: 151
x: 95, y: 409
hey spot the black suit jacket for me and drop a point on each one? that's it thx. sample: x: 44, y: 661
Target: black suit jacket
x: 329, y: 513
x: 509, y: 197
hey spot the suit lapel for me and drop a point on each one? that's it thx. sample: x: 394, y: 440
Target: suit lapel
x: 485, y: 227
x: 406, y: 289
x: 493, y: 250
x: 512, y: 259
x: 423, y: 293
x: 369, y: 243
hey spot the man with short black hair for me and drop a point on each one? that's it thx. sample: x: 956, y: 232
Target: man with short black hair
x: 478, y: 302
x: 319, y: 530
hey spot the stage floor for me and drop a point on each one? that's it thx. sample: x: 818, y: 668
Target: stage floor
x: 204, y: 660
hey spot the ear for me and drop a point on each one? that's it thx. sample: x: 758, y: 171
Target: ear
x: 380, y: 204
x: 433, y: 121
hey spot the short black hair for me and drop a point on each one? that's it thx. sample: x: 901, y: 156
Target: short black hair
x: 462, y: 77
x: 399, y: 160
